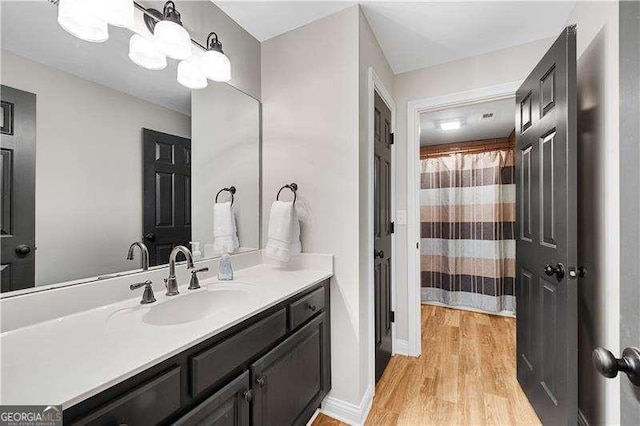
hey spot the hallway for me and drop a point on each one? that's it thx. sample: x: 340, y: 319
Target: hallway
x: 465, y: 376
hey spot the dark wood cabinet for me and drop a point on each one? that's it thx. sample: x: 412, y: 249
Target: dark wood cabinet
x: 271, y: 369
x: 289, y: 382
x: 227, y: 407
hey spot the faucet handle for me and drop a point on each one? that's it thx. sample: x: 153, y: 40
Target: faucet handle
x: 194, y: 284
x: 147, y: 295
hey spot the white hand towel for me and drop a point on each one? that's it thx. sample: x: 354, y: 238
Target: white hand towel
x: 284, y: 232
x: 224, y: 228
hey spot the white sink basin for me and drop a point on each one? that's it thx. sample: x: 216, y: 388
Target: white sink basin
x: 211, y: 300
x: 196, y: 306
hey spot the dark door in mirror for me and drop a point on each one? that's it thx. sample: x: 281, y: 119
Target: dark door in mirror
x: 167, y: 193
x: 17, y: 185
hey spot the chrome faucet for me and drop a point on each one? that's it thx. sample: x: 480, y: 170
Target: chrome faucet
x: 144, y: 254
x: 171, y: 282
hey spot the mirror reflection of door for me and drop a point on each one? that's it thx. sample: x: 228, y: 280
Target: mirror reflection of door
x: 167, y: 193
x: 17, y: 180
x: 546, y: 271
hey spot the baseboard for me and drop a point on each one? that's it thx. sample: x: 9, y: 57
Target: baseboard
x: 582, y: 420
x: 346, y: 412
x: 402, y: 347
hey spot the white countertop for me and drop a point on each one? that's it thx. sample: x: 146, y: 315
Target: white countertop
x: 66, y: 360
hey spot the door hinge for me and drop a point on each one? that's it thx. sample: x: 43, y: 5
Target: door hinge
x: 417, y: 245
x: 392, y: 227
x: 392, y: 315
x: 391, y: 139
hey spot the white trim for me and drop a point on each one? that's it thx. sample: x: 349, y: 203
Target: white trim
x: 347, y: 412
x: 402, y: 347
x: 375, y: 84
x: 313, y: 418
x: 414, y: 109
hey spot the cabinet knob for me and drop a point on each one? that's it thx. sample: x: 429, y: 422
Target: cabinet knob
x: 312, y: 307
x: 248, y: 395
x: 261, y: 381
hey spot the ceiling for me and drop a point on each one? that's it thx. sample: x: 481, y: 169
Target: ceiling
x: 474, y: 127
x: 416, y: 35
x: 105, y: 63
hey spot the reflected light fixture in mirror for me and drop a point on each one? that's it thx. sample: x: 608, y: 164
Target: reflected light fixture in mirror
x: 170, y: 35
x: 117, y: 12
x: 144, y: 53
x: 214, y: 63
x: 77, y: 17
x: 190, y: 76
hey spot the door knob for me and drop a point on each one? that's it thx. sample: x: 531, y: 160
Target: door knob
x: 557, y: 270
x: 23, y: 250
x: 378, y: 253
x: 150, y: 237
x: 609, y: 366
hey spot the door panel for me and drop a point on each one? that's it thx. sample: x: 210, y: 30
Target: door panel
x: 546, y: 194
x: 382, y: 234
x: 630, y: 204
x: 17, y: 184
x: 167, y: 193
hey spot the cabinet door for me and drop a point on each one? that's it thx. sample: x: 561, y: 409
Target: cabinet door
x: 290, y: 381
x: 227, y: 407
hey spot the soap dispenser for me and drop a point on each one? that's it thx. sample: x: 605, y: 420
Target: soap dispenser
x: 195, y: 250
x: 225, y: 271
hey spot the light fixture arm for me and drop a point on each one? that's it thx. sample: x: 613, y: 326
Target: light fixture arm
x: 153, y: 16
x: 215, y: 43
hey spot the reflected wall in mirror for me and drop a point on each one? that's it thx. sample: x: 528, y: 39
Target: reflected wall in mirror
x: 98, y: 152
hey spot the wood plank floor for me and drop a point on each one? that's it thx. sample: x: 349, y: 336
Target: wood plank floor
x: 465, y: 376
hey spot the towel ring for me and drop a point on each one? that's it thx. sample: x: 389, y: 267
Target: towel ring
x: 293, y: 187
x: 231, y: 189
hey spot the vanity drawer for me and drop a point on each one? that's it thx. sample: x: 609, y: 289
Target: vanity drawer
x: 149, y: 403
x: 208, y: 367
x: 306, y: 307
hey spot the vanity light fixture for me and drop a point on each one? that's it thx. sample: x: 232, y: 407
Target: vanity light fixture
x: 450, y: 125
x: 117, y: 12
x: 78, y: 17
x: 169, y: 34
x: 189, y: 75
x: 143, y: 52
x: 214, y: 63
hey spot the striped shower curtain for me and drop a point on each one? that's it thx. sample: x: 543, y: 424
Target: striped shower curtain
x: 467, y: 215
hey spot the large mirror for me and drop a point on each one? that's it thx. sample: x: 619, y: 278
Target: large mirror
x: 98, y: 153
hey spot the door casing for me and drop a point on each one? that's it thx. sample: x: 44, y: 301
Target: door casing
x: 414, y: 109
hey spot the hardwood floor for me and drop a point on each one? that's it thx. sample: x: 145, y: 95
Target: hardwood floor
x: 465, y: 376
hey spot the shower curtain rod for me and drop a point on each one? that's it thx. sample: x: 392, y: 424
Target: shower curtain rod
x: 472, y: 147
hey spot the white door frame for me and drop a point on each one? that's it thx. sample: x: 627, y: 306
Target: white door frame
x: 414, y: 109
x: 375, y: 84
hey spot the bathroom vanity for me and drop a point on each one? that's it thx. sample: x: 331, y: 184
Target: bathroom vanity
x: 255, y: 350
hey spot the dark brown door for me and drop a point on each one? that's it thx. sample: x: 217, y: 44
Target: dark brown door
x: 546, y: 288
x: 167, y: 193
x: 17, y: 180
x: 382, y: 233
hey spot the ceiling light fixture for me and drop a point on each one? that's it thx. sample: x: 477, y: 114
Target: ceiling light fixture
x: 214, y: 63
x: 143, y: 52
x: 169, y: 34
x: 117, y: 12
x: 450, y: 125
x: 190, y: 76
x: 77, y: 17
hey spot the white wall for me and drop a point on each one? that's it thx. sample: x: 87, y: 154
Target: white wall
x: 370, y: 56
x: 310, y: 136
x: 599, y: 204
x: 502, y: 66
x: 88, y: 169
x: 225, y: 147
